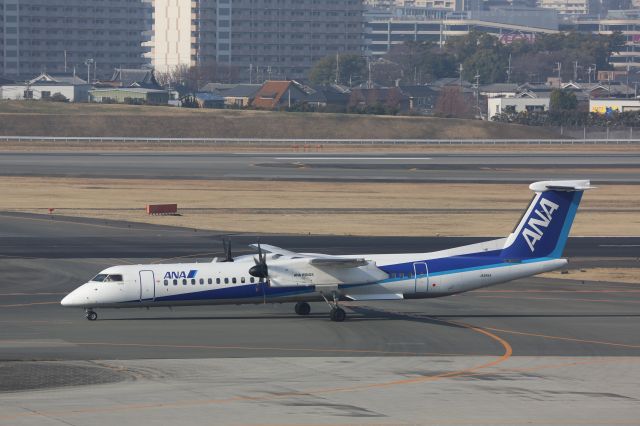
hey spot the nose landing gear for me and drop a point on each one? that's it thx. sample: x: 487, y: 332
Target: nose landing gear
x: 91, y: 315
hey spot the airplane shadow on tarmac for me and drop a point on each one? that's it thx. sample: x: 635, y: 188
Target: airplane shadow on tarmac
x: 368, y: 314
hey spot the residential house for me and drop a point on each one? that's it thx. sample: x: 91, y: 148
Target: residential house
x: 123, y: 77
x: 278, y: 95
x: 330, y: 97
x: 496, y: 106
x: 606, y: 106
x: 130, y: 95
x: 209, y: 100
x: 422, y: 99
x: 46, y: 85
x: 235, y: 95
x: 498, y: 90
x: 379, y: 97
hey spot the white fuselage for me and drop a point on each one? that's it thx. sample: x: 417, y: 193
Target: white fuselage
x: 230, y: 283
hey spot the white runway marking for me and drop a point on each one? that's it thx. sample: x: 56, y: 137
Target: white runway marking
x: 354, y: 158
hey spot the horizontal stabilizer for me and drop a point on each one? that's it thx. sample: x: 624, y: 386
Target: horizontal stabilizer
x: 561, y: 185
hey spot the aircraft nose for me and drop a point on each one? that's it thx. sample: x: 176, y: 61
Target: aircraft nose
x: 71, y: 299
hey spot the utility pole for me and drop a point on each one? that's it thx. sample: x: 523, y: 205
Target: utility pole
x: 65, y: 61
x: 628, y: 70
x: 88, y: 63
x: 589, y: 72
x: 509, y: 70
x: 337, y: 67
x: 477, y: 87
x: 575, y: 71
x: 460, y: 72
x: 559, y: 73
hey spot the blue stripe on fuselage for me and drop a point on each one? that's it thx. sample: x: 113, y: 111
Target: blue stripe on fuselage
x: 437, y: 267
x: 237, y: 292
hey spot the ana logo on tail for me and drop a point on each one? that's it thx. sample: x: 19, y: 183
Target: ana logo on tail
x: 533, y: 233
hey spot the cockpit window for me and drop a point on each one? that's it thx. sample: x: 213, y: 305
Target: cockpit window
x: 99, y: 278
x: 113, y: 278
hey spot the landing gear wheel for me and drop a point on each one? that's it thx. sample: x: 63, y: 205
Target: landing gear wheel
x: 303, y: 308
x: 92, y: 316
x: 337, y: 314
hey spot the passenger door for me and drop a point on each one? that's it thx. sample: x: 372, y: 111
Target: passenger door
x: 147, y: 286
x: 421, y: 273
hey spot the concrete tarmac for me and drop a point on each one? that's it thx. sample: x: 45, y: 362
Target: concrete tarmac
x: 535, y: 351
x: 440, y: 167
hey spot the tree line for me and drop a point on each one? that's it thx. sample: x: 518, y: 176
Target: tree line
x: 480, y: 54
x: 572, y: 56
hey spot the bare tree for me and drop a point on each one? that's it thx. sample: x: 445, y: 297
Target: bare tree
x: 453, y: 103
x: 192, y: 78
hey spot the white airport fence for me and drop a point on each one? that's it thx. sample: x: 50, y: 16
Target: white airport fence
x: 315, y: 142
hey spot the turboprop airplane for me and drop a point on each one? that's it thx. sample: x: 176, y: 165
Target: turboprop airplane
x: 277, y: 275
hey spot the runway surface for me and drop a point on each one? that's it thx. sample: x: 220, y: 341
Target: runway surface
x: 535, y: 350
x: 441, y: 167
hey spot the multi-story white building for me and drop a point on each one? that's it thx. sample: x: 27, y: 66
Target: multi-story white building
x: 171, y: 41
x: 58, y: 35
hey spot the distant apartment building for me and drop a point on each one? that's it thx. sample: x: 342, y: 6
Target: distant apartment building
x: 407, y: 25
x: 567, y: 7
x: 265, y: 39
x: 91, y: 36
x: 627, y: 22
x: 385, y: 29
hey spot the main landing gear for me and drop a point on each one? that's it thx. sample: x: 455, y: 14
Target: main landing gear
x: 336, y: 314
x: 303, y: 308
x: 91, y: 315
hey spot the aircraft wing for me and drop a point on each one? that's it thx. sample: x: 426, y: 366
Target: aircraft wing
x: 317, y: 260
x: 337, y: 262
x: 277, y: 250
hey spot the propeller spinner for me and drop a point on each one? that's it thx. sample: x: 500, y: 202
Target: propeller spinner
x: 260, y: 270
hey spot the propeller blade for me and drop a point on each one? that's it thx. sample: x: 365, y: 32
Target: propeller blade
x: 260, y: 270
x: 226, y: 246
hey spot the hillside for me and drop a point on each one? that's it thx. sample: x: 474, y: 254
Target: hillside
x: 19, y: 118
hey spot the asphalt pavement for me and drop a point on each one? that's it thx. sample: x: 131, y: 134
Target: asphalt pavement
x: 440, y: 167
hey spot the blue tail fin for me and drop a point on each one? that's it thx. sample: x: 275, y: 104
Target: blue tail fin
x: 545, y: 225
